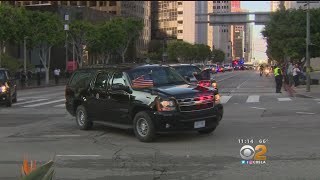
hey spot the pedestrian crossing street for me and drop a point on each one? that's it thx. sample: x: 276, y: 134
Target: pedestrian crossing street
x: 41, y: 102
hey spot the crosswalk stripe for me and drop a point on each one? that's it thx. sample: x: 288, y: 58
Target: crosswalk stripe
x: 27, y: 102
x: 253, y: 98
x: 317, y: 99
x: 60, y: 105
x: 284, y: 99
x: 45, y: 103
x: 225, y: 99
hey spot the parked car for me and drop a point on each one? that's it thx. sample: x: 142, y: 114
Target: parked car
x: 148, y: 99
x: 194, y: 75
x: 8, y: 88
x: 220, y: 68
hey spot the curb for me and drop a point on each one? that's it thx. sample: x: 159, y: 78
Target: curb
x: 36, y: 87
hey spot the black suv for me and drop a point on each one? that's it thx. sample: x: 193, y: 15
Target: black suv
x: 8, y: 89
x: 193, y: 74
x: 148, y: 98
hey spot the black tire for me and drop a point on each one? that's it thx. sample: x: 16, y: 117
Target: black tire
x: 207, y: 131
x: 83, y: 124
x: 149, y: 134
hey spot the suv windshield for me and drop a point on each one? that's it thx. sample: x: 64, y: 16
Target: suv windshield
x: 3, y: 76
x: 154, y: 77
x: 187, y: 70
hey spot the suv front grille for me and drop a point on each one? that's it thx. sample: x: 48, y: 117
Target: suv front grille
x: 196, y: 104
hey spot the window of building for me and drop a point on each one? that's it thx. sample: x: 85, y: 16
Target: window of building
x: 82, y: 3
x: 218, y: 7
x: 44, y: 2
x: 218, y: 1
x: 93, y: 3
x: 26, y: 3
x: 227, y: 7
x: 214, y: 7
x: 64, y: 3
x: 112, y: 3
x: 179, y: 3
x: 102, y: 3
x: 180, y: 31
x: 73, y: 3
x: 180, y: 22
x: 54, y: 2
x: 214, y: 1
x: 35, y: 2
x: 180, y: 12
x: 228, y: 54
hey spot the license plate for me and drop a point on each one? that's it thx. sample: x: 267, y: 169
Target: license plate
x: 199, y: 124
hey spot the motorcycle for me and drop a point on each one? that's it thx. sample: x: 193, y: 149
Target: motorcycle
x: 267, y: 72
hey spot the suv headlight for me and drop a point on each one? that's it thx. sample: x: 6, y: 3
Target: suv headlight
x: 166, y: 105
x: 3, y: 88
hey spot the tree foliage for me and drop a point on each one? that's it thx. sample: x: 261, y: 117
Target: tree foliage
x: 47, y: 31
x: 186, y: 52
x: 218, y: 55
x: 285, y: 34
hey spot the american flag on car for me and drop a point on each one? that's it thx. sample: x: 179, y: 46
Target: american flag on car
x: 142, y: 82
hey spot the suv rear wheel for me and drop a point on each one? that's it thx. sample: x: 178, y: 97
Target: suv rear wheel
x: 143, y: 127
x: 82, y: 118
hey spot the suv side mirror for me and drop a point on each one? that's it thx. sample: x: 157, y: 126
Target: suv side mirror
x: 119, y: 87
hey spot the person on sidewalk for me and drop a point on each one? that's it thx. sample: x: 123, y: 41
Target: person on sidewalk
x: 56, y: 73
x: 290, y: 73
x: 296, y: 73
x: 278, y: 78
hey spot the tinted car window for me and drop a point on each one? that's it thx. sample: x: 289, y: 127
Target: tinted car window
x: 187, y: 70
x: 80, y: 79
x: 158, y: 76
x: 101, y: 81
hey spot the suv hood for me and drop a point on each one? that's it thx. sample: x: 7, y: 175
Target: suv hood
x: 184, y: 91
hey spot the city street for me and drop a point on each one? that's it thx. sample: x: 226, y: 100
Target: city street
x: 38, y: 127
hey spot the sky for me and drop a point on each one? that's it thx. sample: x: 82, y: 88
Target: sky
x: 259, y: 44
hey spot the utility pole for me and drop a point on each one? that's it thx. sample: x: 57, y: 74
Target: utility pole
x: 25, y: 55
x: 307, y: 47
x: 66, y: 28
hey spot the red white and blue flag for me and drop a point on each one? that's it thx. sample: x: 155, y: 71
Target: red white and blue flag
x: 142, y: 82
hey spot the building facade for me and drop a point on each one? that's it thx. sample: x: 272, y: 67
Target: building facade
x: 173, y: 20
x: 139, y: 9
x: 222, y: 33
x: 204, y: 32
x: 274, y: 5
x: 296, y: 5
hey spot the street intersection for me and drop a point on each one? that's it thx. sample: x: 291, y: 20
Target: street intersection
x: 39, y: 126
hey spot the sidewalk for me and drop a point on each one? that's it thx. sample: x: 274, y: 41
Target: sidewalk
x: 301, y: 89
x: 33, y: 83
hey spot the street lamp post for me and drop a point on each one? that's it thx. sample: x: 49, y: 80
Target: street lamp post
x: 307, y: 47
x: 66, y: 28
x: 25, y: 54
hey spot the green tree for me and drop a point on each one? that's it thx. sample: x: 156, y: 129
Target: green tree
x: 130, y: 29
x: 47, y: 31
x: 218, y: 55
x: 203, y: 52
x: 181, y: 51
x: 80, y: 33
x: 12, y: 25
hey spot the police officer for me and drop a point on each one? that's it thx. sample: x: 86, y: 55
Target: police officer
x: 278, y: 77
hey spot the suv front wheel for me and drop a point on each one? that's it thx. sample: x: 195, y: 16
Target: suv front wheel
x: 82, y: 118
x: 143, y: 127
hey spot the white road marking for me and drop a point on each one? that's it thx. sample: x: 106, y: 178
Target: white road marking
x: 27, y: 102
x: 258, y: 108
x: 253, y: 98
x: 238, y: 87
x: 305, y: 113
x: 284, y: 99
x: 225, y: 99
x: 45, y: 103
x: 60, y: 105
x: 77, y: 155
x: 62, y: 135
x: 317, y: 99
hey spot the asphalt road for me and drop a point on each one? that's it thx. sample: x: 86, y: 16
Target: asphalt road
x: 39, y: 127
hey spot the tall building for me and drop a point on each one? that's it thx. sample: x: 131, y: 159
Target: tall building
x: 173, y: 20
x: 204, y: 31
x: 139, y: 9
x: 222, y: 33
x: 274, y: 5
x: 296, y: 5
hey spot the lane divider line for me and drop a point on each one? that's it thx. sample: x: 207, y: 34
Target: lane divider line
x: 27, y: 102
x: 305, y: 113
x: 45, y: 103
x: 77, y: 155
